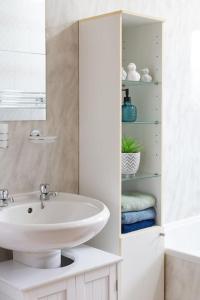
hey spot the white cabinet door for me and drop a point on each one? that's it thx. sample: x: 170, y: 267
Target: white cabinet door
x: 142, y: 269
x: 62, y: 290
x: 97, y: 285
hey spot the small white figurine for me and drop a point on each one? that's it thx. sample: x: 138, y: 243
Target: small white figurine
x: 133, y: 75
x: 124, y: 74
x: 146, y: 77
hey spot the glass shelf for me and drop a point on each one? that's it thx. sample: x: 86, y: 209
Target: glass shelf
x: 126, y: 178
x: 142, y: 122
x: 138, y: 83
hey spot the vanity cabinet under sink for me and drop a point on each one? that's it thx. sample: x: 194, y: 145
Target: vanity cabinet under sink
x: 93, y: 275
x: 98, y: 284
x: 63, y: 290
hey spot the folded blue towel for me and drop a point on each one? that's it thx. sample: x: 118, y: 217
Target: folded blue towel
x: 137, y: 216
x: 136, y: 226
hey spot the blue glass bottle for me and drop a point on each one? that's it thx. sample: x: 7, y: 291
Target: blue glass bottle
x: 129, y: 111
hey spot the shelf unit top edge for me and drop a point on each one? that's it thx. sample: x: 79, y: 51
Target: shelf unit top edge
x: 144, y: 16
x: 101, y: 16
x: 124, y: 12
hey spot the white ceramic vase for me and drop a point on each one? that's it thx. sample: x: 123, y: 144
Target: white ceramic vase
x: 146, y: 77
x: 130, y: 163
x: 133, y: 75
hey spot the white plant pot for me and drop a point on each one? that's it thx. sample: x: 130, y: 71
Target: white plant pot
x: 130, y: 163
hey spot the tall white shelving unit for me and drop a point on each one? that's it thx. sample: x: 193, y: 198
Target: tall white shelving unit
x: 106, y: 43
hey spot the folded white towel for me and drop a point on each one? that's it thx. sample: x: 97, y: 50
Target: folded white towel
x: 135, y: 201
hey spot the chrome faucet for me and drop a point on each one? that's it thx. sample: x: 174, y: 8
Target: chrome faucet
x: 45, y: 194
x: 5, y: 198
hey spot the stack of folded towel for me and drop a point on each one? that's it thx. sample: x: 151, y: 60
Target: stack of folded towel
x: 138, y: 211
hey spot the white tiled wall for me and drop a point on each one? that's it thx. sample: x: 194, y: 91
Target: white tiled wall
x: 22, y: 25
x: 22, y: 72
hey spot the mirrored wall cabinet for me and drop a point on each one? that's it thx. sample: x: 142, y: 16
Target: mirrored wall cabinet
x: 108, y: 43
x: 22, y: 60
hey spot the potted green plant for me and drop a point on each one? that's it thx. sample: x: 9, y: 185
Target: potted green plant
x: 131, y: 151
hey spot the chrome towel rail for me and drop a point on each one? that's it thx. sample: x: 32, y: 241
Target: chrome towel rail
x: 22, y: 99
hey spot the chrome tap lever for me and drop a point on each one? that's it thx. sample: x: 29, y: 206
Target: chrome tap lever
x: 5, y: 198
x: 4, y: 194
x: 45, y: 194
x: 44, y: 188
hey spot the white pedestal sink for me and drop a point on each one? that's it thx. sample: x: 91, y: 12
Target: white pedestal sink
x: 37, y: 235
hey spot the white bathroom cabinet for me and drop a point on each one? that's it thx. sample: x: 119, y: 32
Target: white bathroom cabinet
x: 93, y: 276
x: 106, y: 43
x: 62, y: 290
x: 98, y: 284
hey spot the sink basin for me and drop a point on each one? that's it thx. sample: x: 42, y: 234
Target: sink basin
x: 36, y: 235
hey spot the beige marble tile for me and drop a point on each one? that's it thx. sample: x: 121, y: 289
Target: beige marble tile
x: 181, y: 279
x: 62, y: 85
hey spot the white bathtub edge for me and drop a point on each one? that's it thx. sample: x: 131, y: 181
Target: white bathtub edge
x: 176, y: 224
x: 176, y: 250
